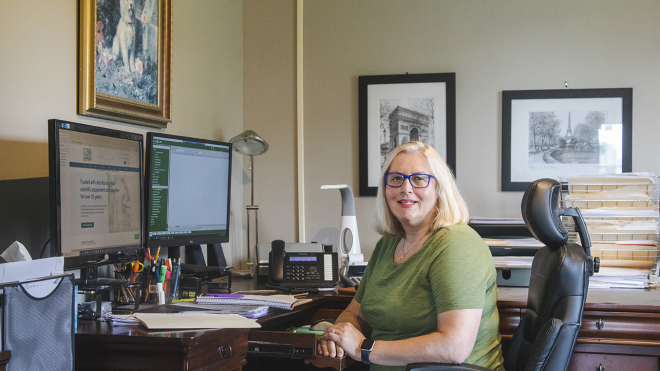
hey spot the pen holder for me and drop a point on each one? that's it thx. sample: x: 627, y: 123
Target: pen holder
x: 167, y: 287
x: 127, y: 295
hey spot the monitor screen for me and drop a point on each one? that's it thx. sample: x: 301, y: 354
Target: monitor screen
x: 96, y: 192
x: 187, y: 190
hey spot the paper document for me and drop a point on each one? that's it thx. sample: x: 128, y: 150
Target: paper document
x: 179, y: 321
x: 518, y: 242
x: 610, y: 277
x: 487, y: 220
x: 122, y: 320
x: 513, y: 261
x: 31, y: 269
x: 249, y: 311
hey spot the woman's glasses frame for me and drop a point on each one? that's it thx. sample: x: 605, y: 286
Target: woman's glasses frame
x: 408, y: 177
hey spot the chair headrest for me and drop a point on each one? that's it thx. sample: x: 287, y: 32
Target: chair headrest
x: 542, y: 214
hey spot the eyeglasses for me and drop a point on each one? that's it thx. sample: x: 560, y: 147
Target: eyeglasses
x: 396, y: 180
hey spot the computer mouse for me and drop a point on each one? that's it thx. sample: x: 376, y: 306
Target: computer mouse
x: 321, y: 326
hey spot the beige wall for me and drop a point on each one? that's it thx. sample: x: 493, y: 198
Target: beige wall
x: 38, y: 81
x: 490, y: 45
x: 234, y: 67
x: 269, y: 108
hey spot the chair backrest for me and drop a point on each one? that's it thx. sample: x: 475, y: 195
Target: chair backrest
x: 545, y: 338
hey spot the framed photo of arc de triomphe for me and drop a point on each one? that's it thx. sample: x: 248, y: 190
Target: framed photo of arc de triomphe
x: 395, y: 109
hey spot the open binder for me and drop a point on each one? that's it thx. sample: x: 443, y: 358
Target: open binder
x: 38, y: 323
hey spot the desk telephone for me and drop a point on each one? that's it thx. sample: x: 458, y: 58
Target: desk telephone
x: 301, y: 269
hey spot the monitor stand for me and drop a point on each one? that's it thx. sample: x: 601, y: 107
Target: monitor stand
x: 89, y: 283
x: 196, y: 266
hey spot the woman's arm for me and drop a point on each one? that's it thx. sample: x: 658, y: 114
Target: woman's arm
x: 452, y: 343
x: 347, y: 319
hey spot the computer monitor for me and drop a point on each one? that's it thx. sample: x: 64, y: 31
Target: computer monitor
x: 96, y: 193
x: 188, y: 186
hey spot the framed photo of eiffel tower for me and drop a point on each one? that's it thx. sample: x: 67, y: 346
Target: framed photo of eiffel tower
x: 567, y: 132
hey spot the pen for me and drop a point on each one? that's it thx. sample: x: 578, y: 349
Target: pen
x: 157, y: 253
x: 166, y: 282
x: 146, y: 294
x: 156, y: 273
x: 176, y: 278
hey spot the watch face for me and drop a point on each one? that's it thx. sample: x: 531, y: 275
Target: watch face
x: 367, y: 344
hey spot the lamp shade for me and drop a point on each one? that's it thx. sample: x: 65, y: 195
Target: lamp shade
x: 249, y: 143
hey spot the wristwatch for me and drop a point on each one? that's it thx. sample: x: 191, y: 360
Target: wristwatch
x: 365, y: 349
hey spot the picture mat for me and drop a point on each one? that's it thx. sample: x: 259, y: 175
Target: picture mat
x: 520, y: 109
x: 377, y: 92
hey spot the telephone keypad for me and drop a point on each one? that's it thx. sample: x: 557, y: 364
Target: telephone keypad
x: 302, y: 273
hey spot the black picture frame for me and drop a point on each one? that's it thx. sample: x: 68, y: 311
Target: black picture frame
x: 427, y: 101
x: 571, y: 151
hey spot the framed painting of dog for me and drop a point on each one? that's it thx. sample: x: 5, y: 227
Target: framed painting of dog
x: 125, y: 59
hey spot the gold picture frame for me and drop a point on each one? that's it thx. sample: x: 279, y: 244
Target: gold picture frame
x: 120, y: 75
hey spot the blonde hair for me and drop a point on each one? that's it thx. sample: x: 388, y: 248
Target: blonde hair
x: 450, y: 208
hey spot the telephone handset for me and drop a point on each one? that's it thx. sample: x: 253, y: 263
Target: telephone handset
x: 276, y: 262
x: 301, y: 269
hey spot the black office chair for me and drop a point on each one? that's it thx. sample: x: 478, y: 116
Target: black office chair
x: 558, y: 286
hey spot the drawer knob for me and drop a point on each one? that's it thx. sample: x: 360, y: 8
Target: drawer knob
x: 225, y: 351
x: 599, y: 325
x: 600, y: 367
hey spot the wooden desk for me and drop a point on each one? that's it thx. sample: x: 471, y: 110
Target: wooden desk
x: 620, y: 328
x: 103, y: 347
x: 620, y: 331
x: 5, y: 356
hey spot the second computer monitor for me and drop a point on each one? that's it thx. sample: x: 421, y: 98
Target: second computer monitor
x: 188, y: 186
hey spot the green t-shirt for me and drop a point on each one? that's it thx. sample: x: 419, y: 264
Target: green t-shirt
x: 452, y: 270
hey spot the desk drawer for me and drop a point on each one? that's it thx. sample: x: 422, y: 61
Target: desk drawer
x: 281, y: 344
x: 226, y: 352
x: 608, y: 362
x: 621, y: 325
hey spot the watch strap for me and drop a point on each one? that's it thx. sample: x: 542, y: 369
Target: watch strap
x: 365, y: 350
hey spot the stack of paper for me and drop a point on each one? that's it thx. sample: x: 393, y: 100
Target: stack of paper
x: 513, y: 261
x: 249, y: 311
x: 122, y: 320
x: 513, y: 242
x: 628, y: 278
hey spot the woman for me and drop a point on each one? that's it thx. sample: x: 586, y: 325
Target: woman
x: 428, y: 293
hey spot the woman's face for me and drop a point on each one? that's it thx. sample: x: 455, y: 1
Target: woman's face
x: 413, y: 207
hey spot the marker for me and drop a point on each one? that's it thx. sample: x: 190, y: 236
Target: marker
x: 163, y: 272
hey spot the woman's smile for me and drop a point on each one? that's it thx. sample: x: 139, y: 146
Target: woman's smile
x: 407, y: 203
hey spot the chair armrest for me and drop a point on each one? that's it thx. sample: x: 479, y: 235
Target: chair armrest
x: 428, y: 366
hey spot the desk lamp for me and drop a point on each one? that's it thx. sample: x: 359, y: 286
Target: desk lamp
x: 250, y: 143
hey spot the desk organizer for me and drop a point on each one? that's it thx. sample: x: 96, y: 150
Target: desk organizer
x: 38, y: 322
x: 621, y: 214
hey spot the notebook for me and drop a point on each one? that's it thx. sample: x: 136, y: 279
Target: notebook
x: 275, y: 301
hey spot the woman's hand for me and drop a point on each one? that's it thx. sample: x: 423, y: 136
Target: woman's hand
x: 341, y: 339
